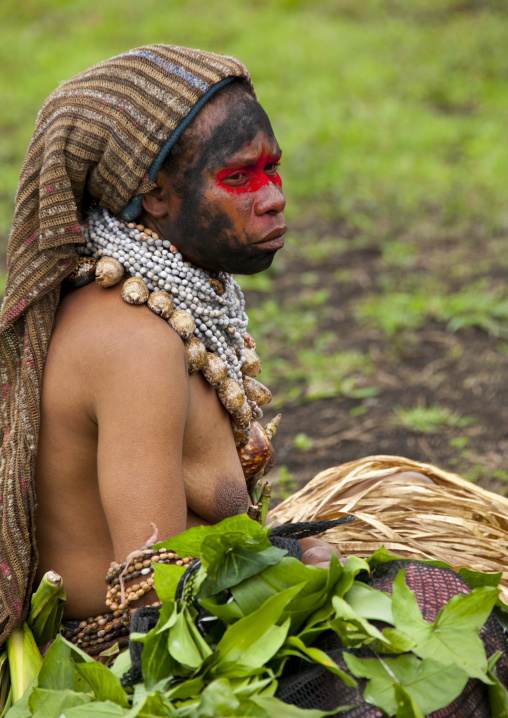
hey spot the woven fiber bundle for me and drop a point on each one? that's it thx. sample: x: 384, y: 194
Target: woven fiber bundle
x: 448, y: 520
x: 100, y: 137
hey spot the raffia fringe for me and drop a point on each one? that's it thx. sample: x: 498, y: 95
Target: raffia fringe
x: 451, y: 520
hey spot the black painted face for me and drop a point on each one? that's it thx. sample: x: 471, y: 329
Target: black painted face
x: 223, y: 196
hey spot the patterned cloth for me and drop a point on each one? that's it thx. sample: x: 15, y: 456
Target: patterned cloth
x: 100, y: 136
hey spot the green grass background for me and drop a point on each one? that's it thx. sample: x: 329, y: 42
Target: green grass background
x: 390, y: 112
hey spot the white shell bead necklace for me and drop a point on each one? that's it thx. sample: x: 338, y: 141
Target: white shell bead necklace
x: 220, y: 318
x: 209, y: 317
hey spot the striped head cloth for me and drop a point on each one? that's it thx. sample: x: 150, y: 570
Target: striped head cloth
x: 102, y: 135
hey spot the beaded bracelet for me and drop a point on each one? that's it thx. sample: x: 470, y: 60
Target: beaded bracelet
x: 95, y: 631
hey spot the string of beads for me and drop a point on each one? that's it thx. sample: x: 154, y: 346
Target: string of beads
x: 215, y: 301
x: 114, y: 624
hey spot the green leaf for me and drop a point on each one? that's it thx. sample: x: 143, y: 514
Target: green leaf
x: 57, y: 671
x: 318, y: 656
x: 351, y: 628
x: 406, y: 707
x: 430, y: 684
x: 253, y: 640
x: 379, y: 690
x: 5, y: 684
x: 453, y: 637
x: 152, y: 706
x: 501, y: 612
x: 78, y: 655
x: 308, y: 602
x: 477, y: 578
x: 351, y: 570
x: 166, y: 579
x: 199, y: 641
x: 185, y: 643
x: 189, y: 542
x: 167, y: 618
x: 498, y: 695
x: 322, y: 609
x: 253, y: 685
x: 122, y: 663
x: 217, y: 699
x: 396, y: 642
x: 277, y: 709
x: 230, y: 559
x: 318, y: 587
x: 245, y: 709
x: 46, y: 703
x: 258, y: 654
x: 317, y: 621
x: 140, y: 693
x: 382, y: 556
x: 110, y: 652
x: 107, y: 709
x: 468, y: 610
x: 253, y: 592
x: 104, y: 684
x: 370, y: 603
x: 6, y: 701
x: 227, y: 612
x: 156, y: 663
x: 21, y: 708
x: 186, y: 689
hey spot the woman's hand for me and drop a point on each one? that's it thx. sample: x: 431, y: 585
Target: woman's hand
x: 317, y: 552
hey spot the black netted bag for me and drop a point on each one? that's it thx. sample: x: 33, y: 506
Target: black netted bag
x: 309, y: 685
x: 287, y: 536
x: 143, y: 620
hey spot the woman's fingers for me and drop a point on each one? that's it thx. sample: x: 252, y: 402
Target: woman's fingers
x: 317, y: 552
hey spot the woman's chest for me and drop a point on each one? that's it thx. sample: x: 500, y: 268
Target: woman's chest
x: 215, y: 486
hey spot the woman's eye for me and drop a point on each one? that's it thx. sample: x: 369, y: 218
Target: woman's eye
x: 272, y: 168
x: 236, y: 177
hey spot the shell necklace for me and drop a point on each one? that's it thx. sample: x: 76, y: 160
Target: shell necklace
x: 207, y: 310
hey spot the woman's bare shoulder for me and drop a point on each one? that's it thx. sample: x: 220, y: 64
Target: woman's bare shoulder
x: 98, y: 326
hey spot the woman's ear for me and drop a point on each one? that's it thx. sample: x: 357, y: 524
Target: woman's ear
x: 154, y: 202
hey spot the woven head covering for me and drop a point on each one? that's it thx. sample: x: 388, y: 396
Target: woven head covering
x: 102, y: 135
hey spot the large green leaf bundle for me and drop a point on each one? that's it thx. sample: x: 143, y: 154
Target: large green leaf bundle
x: 275, y: 608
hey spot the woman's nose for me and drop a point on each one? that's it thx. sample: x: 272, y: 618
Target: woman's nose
x: 270, y: 199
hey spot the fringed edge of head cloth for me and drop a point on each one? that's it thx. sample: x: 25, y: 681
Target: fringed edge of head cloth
x: 102, y: 134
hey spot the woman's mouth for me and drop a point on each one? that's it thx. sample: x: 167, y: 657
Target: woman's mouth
x: 275, y: 243
x: 274, y: 240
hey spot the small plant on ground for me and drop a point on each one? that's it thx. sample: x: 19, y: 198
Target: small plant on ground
x: 428, y: 419
x: 477, y: 305
x: 303, y: 442
x: 283, y: 485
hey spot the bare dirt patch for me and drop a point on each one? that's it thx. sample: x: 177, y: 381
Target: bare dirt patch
x: 463, y: 373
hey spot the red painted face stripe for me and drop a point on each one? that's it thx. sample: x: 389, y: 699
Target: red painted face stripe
x: 256, y: 176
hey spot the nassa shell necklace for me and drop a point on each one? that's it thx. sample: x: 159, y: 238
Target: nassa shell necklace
x: 206, y: 309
